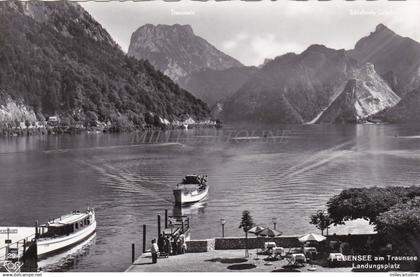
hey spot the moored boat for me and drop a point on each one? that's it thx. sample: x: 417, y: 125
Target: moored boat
x: 65, y: 231
x: 192, y: 189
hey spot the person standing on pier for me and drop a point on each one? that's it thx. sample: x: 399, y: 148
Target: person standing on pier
x: 182, y: 244
x: 155, y: 251
x: 161, y: 242
x: 168, y: 245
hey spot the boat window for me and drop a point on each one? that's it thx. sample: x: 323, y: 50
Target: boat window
x: 76, y: 225
x: 70, y: 229
x: 56, y: 231
x: 191, y: 179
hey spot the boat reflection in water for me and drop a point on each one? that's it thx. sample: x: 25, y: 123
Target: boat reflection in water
x: 68, y: 259
x: 193, y: 209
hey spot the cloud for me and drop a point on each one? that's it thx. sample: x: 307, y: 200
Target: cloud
x: 269, y: 46
x: 229, y: 45
x: 235, y: 42
x: 242, y: 36
x: 258, y: 47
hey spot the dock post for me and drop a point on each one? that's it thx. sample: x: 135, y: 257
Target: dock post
x: 133, y: 253
x: 144, y: 238
x: 36, y: 229
x: 24, y: 250
x: 166, y: 218
x: 159, y: 227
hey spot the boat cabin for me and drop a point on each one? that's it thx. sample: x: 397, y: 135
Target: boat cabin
x: 65, y: 225
x: 194, y: 180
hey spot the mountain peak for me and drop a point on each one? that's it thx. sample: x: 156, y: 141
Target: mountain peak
x: 165, y: 28
x: 185, y: 28
x: 176, y: 51
x: 382, y: 28
x: 317, y: 48
x: 390, y: 52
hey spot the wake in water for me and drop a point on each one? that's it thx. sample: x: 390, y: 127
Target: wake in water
x: 314, y: 161
x: 406, y: 137
x: 319, y: 159
x: 123, y: 181
x: 64, y: 150
x: 67, y: 259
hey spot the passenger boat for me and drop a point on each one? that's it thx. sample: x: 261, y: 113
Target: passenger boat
x: 193, y: 188
x: 65, y: 231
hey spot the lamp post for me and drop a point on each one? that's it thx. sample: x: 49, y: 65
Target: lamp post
x: 327, y: 220
x: 223, y: 222
x: 274, y: 220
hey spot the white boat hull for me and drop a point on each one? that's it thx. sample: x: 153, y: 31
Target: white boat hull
x: 50, y: 245
x: 185, y: 198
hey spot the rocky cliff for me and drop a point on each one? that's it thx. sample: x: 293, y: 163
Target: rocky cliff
x: 176, y: 51
x: 14, y: 112
x: 395, y: 57
x: 406, y: 111
x: 365, y: 94
x: 293, y: 88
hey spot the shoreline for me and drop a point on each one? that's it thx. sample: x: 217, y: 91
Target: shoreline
x: 73, y: 130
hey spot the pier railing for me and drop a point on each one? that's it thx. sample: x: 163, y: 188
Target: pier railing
x: 17, y: 249
x: 179, y: 224
x: 175, y: 226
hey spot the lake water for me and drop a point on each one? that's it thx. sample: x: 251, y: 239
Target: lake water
x: 287, y: 172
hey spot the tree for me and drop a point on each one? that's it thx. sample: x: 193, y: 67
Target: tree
x: 401, y: 227
x: 121, y: 124
x: 367, y: 203
x: 246, y: 224
x: 17, y: 123
x: 67, y: 121
x: 27, y: 123
x: 321, y: 220
x: 395, y: 211
x: 91, y: 119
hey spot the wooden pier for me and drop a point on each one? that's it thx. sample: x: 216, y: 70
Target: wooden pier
x: 18, y: 245
x: 174, y: 227
x: 178, y: 225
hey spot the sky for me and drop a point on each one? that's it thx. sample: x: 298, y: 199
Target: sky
x: 254, y: 31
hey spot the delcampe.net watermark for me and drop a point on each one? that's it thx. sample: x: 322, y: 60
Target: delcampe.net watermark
x: 11, y: 264
x: 12, y: 267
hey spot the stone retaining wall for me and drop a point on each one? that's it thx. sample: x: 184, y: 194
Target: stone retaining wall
x: 195, y: 246
x: 255, y: 242
x: 258, y: 242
